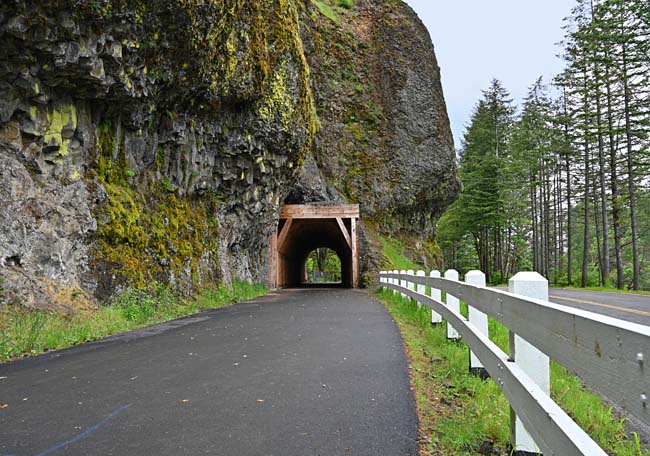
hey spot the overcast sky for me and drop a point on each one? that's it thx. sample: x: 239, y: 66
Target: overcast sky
x: 477, y: 40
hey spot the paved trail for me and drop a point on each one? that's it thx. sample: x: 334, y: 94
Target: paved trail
x: 298, y: 373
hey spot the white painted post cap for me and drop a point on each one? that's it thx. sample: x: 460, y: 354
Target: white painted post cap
x: 529, y: 283
x: 451, y: 274
x: 474, y: 274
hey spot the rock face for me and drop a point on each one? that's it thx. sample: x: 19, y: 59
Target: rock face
x: 156, y: 140
x: 385, y: 140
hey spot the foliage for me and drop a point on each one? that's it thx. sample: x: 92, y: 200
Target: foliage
x: 481, y: 209
x: 25, y: 332
x: 561, y: 187
x: 323, y: 265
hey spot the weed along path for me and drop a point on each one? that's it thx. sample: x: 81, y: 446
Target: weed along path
x: 300, y: 372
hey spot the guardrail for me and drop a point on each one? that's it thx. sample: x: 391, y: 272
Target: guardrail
x: 609, y: 355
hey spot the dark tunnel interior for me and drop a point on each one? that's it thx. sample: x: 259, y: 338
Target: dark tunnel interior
x: 304, y: 236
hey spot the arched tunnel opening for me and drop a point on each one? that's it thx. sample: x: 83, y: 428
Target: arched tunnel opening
x: 305, y: 228
x: 323, y: 267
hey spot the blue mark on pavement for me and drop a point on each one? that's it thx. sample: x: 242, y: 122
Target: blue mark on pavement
x: 85, y: 433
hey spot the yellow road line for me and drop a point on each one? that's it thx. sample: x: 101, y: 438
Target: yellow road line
x: 606, y: 306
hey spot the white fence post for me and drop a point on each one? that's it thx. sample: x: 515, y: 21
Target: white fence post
x: 531, y: 360
x: 478, y: 319
x: 437, y: 295
x: 395, y: 281
x: 453, y: 303
x: 382, y: 279
x: 422, y: 289
x: 402, y: 282
x: 410, y: 285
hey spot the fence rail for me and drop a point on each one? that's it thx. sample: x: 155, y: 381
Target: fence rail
x: 608, y: 354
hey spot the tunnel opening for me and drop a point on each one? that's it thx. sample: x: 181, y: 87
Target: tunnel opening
x: 303, y: 229
x: 323, y: 267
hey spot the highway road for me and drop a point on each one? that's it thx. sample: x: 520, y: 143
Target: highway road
x: 626, y: 306
x: 296, y: 373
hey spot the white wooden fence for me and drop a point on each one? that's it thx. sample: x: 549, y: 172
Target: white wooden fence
x: 611, y: 356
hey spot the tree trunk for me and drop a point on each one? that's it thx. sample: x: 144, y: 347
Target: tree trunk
x: 585, y: 240
x: 601, y: 277
x: 560, y: 223
x: 567, y: 162
x: 613, y: 173
x: 630, y: 173
x: 604, y: 256
x: 533, y: 217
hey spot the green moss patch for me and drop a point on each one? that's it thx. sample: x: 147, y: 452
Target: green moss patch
x: 163, y: 234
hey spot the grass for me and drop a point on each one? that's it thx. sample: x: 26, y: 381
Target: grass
x: 461, y: 414
x: 26, y: 332
x: 393, y: 251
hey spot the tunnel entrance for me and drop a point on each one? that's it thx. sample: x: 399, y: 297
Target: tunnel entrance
x: 304, y: 228
x: 323, y: 267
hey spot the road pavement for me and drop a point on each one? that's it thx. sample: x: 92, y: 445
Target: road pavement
x: 296, y: 373
x: 626, y: 306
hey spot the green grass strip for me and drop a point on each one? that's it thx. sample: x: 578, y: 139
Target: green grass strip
x: 26, y: 332
x: 463, y: 415
x: 393, y: 250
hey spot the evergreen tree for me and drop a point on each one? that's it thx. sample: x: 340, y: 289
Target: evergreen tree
x: 485, y: 147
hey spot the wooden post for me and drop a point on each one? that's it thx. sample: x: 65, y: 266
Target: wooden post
x: 436, y: 294
x: 282, y: 236
x: 344, y: 231
x: 530, y: 359
x: 478, y: 319
x: 402, y: 281
x: 453, y: 303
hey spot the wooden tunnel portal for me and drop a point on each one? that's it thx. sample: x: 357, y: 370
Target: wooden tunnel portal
x: 305, y: 227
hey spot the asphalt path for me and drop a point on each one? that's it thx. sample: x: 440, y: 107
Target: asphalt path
x: 626, y: 306
x: 297, y: 373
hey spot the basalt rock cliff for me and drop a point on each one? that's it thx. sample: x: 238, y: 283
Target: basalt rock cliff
x: 155, y: 140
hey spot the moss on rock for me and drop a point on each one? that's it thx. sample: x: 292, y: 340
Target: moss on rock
x: 162, y: 236
x: 61, y: 125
